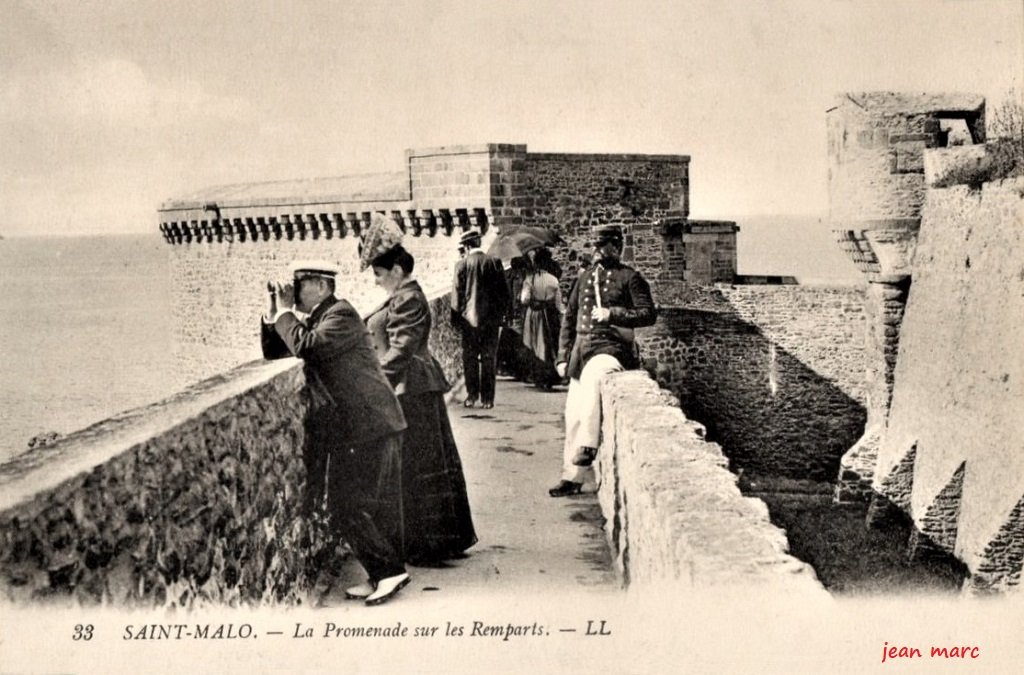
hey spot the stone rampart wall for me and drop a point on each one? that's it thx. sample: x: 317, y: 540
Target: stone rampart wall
x: 674, y: 512
x: 952, y: 453
x: 775, y: 372
x: 219, y: 290
x: 194, y: 499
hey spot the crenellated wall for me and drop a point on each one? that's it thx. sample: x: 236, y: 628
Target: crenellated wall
x: 774, y: 372
x: 227, y: 241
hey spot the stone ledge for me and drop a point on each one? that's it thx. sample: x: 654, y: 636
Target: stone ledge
x: 674, y: 512
x: 468, y: 149
x: 607, y: 157
x: 906, y: 103
x: 390, y: 186
x: 27, y: 475
x: 195, y: 500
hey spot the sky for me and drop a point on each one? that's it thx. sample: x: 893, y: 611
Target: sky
x: 109, y: 108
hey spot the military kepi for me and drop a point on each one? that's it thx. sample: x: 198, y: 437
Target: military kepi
x: 304, y: 269
x: 606, y: 233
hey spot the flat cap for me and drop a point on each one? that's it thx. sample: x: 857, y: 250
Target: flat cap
x: 303, y: 269
x: 472, y: 234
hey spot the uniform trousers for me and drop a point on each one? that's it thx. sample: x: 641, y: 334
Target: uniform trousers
x: 583, y: 415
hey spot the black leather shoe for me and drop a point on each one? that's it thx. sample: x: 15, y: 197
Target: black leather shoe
x: 469, y: 402
x: 487, y: 404
x: 585, y: 457
x: 566, y: 488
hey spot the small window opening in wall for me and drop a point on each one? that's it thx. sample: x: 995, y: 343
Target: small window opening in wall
x: 956, y: 131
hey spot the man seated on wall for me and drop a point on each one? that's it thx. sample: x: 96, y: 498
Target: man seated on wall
x: 354, y: 425
x: 605, y: 304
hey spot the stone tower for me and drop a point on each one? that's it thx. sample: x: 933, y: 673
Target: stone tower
x: 876, y: 144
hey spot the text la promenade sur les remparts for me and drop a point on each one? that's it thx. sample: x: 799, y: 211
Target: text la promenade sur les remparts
x: 329, y: 629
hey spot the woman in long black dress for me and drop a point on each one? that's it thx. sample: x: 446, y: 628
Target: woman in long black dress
x: 438, y: 523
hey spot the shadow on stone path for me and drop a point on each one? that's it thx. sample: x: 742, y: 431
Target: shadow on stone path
x: 529, y: 542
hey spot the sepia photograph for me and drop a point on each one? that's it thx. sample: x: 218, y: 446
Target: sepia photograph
x: 531, y: 337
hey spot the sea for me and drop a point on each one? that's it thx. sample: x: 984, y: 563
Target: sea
x: 86, y: 332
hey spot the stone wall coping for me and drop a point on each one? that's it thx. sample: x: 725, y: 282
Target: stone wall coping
x: 769, y: 280
x: 271, y: 208
x: 25, y: 476
x: 607, y: 157
x: 386, y: 186
x: 751, y: 280
x: 868, y: 224
x: 465, y: 149
x: 905, y: 103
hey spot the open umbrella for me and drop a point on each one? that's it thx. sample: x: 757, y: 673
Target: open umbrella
x: 520, y: 242
x: 549, y: 237
x: 508, y: 246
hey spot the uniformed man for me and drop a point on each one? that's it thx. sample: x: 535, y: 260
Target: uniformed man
x: 605, y: 304
x: 355, y: 424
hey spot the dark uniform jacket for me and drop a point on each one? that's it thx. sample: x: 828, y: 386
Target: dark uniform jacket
x: 626, y: 294
x: 341, y: 367
x: 480, y: 292
x: 399, y: 330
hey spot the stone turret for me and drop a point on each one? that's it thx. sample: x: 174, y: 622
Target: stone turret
x: 876, y: 144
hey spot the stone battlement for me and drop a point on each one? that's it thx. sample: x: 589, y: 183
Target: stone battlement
x: 442, y: 188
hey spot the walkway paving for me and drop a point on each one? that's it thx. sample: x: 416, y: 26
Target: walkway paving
x: 529, y: 542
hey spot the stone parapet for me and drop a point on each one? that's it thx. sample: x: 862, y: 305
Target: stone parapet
x: 674, y: 513
x: 194, y: 499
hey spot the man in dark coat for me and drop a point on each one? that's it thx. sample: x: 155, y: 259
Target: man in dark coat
x: 480, y: 298
x: 354, y: 425
x: 605, y: 304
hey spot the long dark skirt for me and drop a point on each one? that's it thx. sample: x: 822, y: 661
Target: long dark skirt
x: 540, y: 335
x: 438, y: 523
